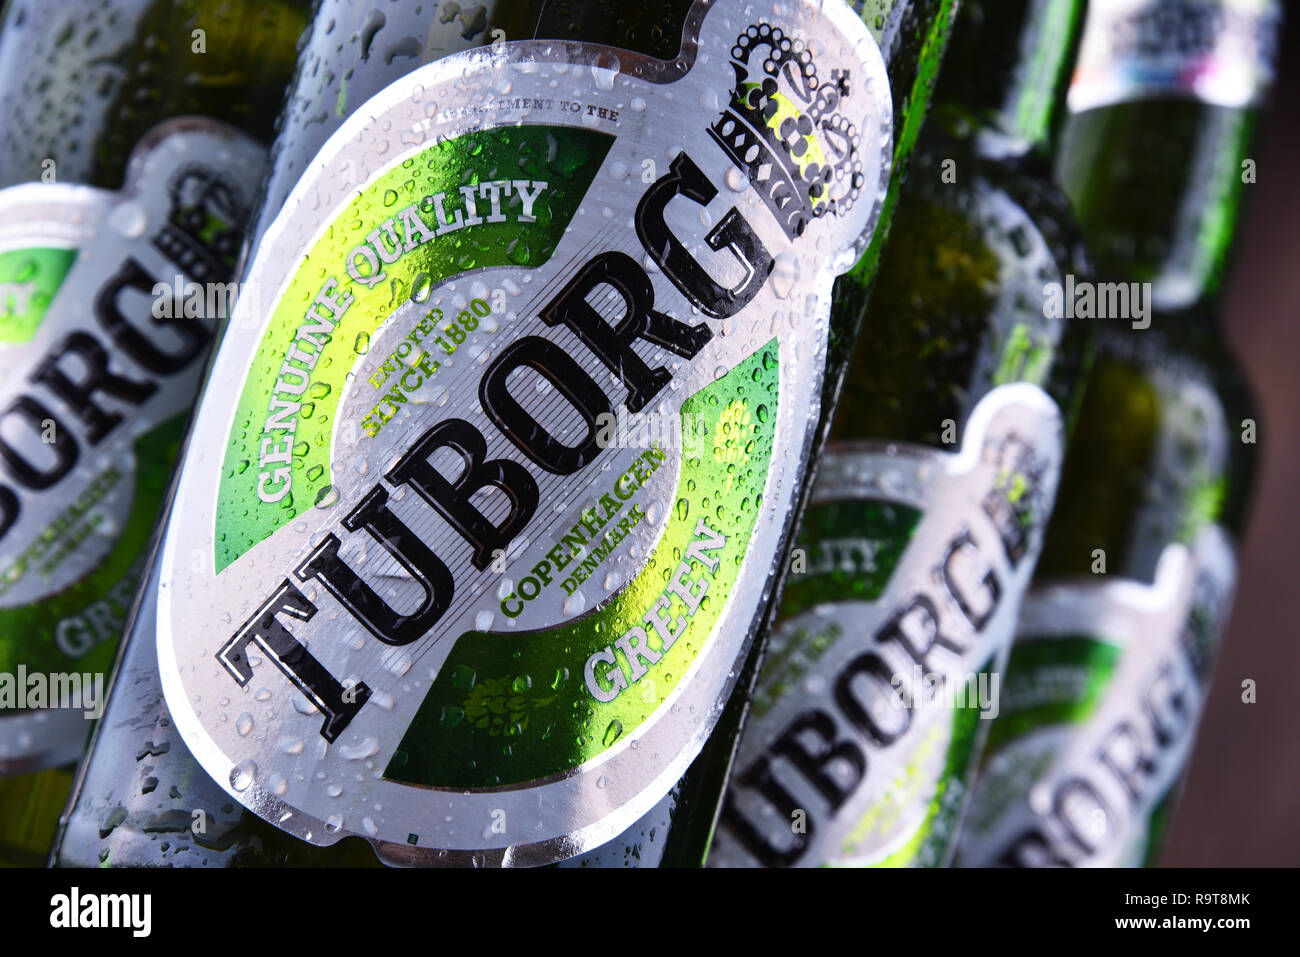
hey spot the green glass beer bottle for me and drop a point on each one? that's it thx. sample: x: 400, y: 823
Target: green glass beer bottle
x: 931, y: 501
x: 134, y: 141
x: 516, y: 604
x: 1117, y: 639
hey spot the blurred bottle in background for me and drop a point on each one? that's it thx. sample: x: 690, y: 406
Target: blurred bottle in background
x: 1117, y: 640
x: 135, y: 137
x: 930, y: 503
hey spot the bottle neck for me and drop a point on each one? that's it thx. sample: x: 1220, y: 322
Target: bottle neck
x: 1154, y: 154
x: 356, y: 49
x: 1007, y: 72
x: 82, y: 83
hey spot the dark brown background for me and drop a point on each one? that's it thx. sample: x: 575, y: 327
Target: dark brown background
x: 1242, y: 803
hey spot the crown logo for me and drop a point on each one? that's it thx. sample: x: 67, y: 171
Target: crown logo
x: 204, y: 225
x: 782, y: 130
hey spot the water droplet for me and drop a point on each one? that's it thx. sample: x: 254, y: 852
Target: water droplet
x: 129, y: 220
x: 244, y: 724
x: 359, y: 752
x: 785, y: 273
x: 604, y: 74
x: 242, y: 775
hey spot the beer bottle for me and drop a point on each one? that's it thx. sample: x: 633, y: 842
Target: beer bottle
x: 500, y: 498
x: 677, y: 831
x: 1117, y: 639
x: 130, y: 164
x: 930, y: 504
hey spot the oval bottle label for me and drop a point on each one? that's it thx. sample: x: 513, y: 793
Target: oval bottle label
x: 1104, y: 691
x: 883, y: 675
x: 107, y: 306
x: 521, y: 393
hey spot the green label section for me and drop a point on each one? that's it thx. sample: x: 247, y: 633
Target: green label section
x: 1052, y: 681
x: 29, y: 278
x: 79, y: 628
x: 402, y: 210
x: 850, y: 550
x: 928, y: 845
x: 506, y: 709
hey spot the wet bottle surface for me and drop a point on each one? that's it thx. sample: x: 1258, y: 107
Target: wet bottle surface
x: 141, y: 800
x: 86, y: 89
x: 1134, y: 585
x: 911, y: 561
x: 353, y: 52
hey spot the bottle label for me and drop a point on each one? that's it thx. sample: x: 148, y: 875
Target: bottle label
x: 101, y: 351
x: 897, y: 617
x: 1218, y: 51
x: 1105, y: 688
x: 487, y: 515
